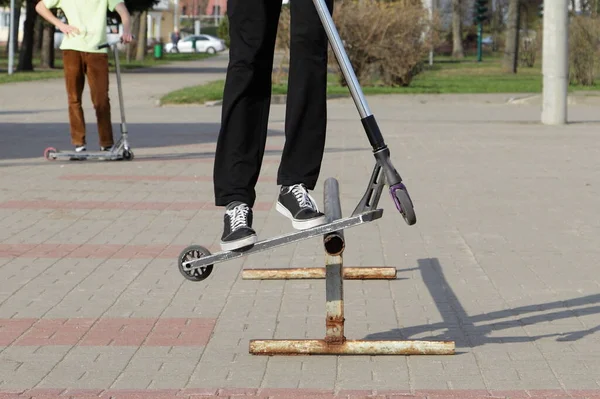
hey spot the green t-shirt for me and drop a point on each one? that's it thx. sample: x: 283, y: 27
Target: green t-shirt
x: 89, y: 16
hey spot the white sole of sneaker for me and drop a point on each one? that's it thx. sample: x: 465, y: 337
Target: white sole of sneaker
x: 301, y: 224
x: 241, y: 243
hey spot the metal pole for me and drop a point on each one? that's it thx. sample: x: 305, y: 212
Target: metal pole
x: 334, y: 278
x: 431, y: 22
x: 310, y: 273
x: 334, y: 241
x: 342, y: 58
x: 349, y: 347
x: 555, y: 62
x: 14, y: 33
x: 120, y: 89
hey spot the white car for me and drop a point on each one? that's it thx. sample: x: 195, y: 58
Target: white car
x: 204, y: 44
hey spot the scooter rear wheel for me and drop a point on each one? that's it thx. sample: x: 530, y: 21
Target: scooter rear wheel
x: 191, y: 253
x: 50, y: 153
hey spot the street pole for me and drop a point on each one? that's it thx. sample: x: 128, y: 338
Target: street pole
x: 555, y: 62
x: 479, y: 41
x: 431, y: 22
x: 11, y: 43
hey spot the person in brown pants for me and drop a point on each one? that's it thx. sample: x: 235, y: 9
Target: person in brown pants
x: 78, y: 65
x: 83, y: 34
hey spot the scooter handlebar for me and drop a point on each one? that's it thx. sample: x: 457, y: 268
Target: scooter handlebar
x: 111, y: 43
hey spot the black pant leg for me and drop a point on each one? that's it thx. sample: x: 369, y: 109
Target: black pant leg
x: 306, y: 112
x: 246, y: 99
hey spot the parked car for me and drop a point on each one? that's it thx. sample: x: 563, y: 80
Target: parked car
x: 204, y: 44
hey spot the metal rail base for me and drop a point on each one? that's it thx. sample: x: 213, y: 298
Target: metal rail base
x: 349, y: 347
x: 335, y: 342
x: 315, y: 273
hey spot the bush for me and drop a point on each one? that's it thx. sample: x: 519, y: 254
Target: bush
x: 584, y: 34
x: 223, y: 30
x: 386, y: 42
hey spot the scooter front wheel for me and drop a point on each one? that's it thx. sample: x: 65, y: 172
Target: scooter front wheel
x: 403, y: 203
x: 128, y: 155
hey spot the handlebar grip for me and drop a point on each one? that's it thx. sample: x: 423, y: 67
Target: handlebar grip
x: 108, y: 44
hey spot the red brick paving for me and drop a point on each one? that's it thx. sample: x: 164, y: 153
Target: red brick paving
x: 201, y: 393
x: 140, y: 206
x: 165, y: 178
x: 106, y: 332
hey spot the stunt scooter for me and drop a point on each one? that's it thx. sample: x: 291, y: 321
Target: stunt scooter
x: 196, y: 262
x: 121, y: 149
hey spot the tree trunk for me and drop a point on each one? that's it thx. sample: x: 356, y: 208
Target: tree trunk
x: 143, y: 37
x: 38, y: 35
x: 135, y: 26
x: 524, y: 18
x: 26, y: 53
x: 511, y: 46
x: 457, y: 45
x: 47, y: 53
x: 15, y: 24
x: 496, y: 25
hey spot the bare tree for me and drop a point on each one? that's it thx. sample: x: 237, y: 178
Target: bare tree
x: 47, y: 50
x: 135, y: 29
x: 511, y: 45
x: 457, y: 45
x: 38, y: 35
x: 143, y: 37
x: 26, y: 54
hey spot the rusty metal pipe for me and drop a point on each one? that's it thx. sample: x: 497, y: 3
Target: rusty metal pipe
x: 349, y: 273
x: 350, y: 347
x: 333, y: 242
x: 334, y: 296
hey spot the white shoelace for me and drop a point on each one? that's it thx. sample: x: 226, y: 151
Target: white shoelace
x: 238, y: 216
x: 305, y: 200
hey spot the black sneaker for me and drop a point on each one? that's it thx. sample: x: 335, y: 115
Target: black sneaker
x: 106, y: 148
x: 296, y: 204
x: 237, y: 230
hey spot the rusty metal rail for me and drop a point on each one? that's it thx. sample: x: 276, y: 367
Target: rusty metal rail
x: 308, y: 273
x: 349, y: 347
x: 335, y: 342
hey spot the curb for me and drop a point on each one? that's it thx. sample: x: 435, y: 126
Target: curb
x: 574, y: 99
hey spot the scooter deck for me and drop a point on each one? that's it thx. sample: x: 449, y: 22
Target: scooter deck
x: 88, y: 155
x: 285, y: 239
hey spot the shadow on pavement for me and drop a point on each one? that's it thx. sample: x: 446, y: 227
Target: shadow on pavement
x: 210, y: 154
x: 29, y: 140
x: 458, y: 326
